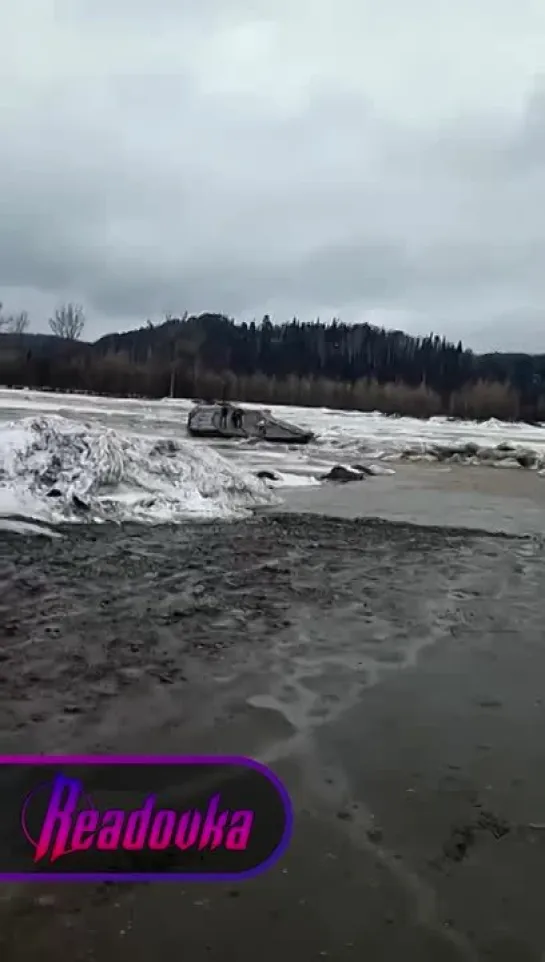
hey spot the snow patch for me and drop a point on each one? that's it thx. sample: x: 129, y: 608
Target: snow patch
x: 289, y: 479
x: 55, y: 469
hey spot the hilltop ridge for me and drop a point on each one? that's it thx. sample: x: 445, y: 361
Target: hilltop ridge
x: 335, y: 364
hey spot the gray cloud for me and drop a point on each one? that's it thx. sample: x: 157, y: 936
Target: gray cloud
x: 371, y: 161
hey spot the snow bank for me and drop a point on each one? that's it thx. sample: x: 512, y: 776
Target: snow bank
x: 502, y: 455
x: 55, y: 469
x: 492, y: 443
x: 349, y: 436
x: 505, y: 454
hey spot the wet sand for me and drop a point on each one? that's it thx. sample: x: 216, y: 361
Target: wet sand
x: 391, y: 674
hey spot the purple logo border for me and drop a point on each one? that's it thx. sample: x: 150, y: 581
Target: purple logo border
x: 241, y: 760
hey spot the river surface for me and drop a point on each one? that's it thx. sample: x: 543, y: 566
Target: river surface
x: 379, y: 644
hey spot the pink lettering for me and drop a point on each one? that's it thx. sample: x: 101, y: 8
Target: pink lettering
x: 58, y: 820
x: 188, y: 829
x: 109, y: 835
x: 65, y: 829
x: 86, y: 824
x: 161, y: 830
x: 213, y: 830
x: 137, y: 826
x: 238, y: 833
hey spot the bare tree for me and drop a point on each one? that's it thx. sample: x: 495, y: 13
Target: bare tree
x: 68, y: 322
x: 17, y: 323
x: 14, y: 323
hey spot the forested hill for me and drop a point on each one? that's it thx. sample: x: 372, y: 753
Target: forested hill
x: 335, y: 351
x: 335, y: 364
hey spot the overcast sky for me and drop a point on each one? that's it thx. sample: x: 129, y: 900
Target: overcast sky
x: 379, y: 160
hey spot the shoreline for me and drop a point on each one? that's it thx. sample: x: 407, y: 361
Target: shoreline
x: 463, y: 497
x: 499, y: 500
x: 24, y: 389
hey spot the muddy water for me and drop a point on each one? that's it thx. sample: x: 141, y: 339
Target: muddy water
x: 510, y: 501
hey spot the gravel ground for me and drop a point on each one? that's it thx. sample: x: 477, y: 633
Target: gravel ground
x: 367, y: 662
x: 121, y: 617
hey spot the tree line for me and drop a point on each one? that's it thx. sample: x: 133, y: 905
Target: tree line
x: 67, y: 322
x: 358, y: 366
